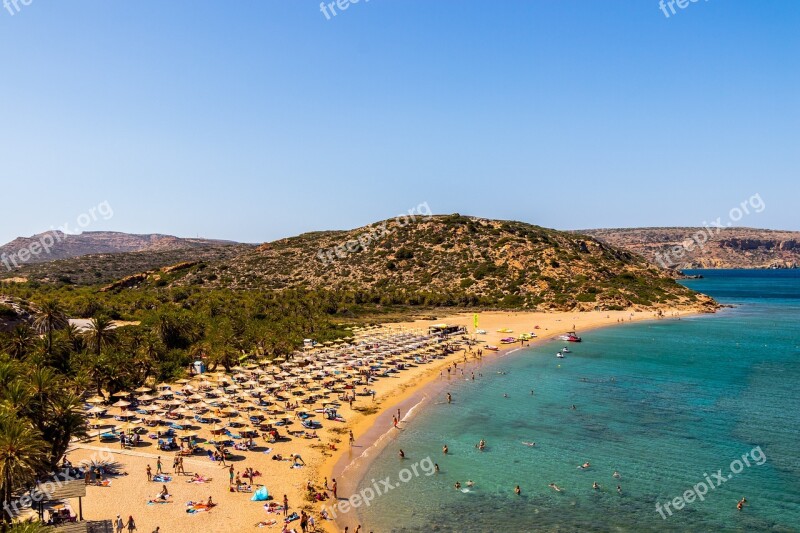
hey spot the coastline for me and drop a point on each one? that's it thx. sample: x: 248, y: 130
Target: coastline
x: 348, y: 465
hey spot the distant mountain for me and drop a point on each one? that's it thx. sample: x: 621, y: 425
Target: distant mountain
x: 684, y: 248
x: 55, y: 245
x: 450, y: 260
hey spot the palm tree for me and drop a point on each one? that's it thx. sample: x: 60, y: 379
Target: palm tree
x: 50, y: 317
x: 22, y: 454
x: 20, y: 341
x: 100, y: 334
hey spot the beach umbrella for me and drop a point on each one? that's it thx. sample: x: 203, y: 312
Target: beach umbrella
x: 121, y: 403
x: 145, y: 398
x: 95, y: 399
x: 121, y: 394
x: 182, y: 381
x: 143, y: 389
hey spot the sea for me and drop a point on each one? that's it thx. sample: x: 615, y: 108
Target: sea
x: 692, y: 414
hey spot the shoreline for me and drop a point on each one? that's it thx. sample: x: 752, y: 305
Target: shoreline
x: 349, y: 466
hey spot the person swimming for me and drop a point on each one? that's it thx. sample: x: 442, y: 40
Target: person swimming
x: 517, y: 490
x: 457, y: 485
x: 554, y: 487
x: 529, y: 443
x: 616, y: 474
x: 402, y: 454
x: 445, y: 449
x: 470, y: 483
x: 619, y: 489
x: 595, y: 486
x: 584, y: 466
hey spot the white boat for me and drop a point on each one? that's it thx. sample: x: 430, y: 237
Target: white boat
x: 565, y: 350
x: 560, y: 355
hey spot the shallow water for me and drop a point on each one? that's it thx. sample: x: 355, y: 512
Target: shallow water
x: 665, y: 403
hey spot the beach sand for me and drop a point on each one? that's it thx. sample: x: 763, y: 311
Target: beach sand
x: 369, y: 420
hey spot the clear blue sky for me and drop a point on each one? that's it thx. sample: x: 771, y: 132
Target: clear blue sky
x: 255, y: 120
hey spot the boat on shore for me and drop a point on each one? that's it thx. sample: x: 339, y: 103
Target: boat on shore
x: 570, y: 336
x: 508, y: 340
x: 492, y: 348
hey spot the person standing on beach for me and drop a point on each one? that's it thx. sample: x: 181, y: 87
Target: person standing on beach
x: 352, y: 439
x: 449, y: 398
x: 285, y: 505
x: 149, y: 473
x: 230, y: 474
x: 394, y: 421
x: 119, y: 524
x: 333, y: 489
x: 159, y: 466
x: 131, y: 524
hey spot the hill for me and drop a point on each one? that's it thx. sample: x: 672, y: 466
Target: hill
x: 54, y: 245
x: 110, y: 267
x: 452, y: 260
x: 684, y: 248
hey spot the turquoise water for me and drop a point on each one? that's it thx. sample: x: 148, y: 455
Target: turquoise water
x: 664, y: 403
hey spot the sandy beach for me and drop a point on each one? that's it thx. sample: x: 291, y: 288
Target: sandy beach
x: 369, y: 420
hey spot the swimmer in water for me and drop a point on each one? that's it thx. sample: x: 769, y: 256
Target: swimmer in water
x: 402, y: 454
x: 505, y: 395
x: 457, y: 485
x: 616, y: 474
x: 470, y: 483
x: 595, y: 486
x: 529, y: 443
x: 619, y: 489
x: 554, y: 487
x: 517, y: 490
x: 584, y: 466
x: 444, y: 449
x: 573, y: 407
x: 449, y: 398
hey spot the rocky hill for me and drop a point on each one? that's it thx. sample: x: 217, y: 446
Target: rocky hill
x: 108, y: 268
x: 684, y: 248
x: 54, y: 245
x: 446, y: 259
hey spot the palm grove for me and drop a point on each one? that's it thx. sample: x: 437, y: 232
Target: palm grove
x: 48, y: 366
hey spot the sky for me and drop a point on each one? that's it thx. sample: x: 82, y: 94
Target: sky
x: 257, y: 120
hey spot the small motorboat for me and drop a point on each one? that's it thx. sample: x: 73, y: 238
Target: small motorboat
x: 560, y: 355
x: 570, y: 337
x: 505, y: 330
x: 480, y: 331
x: 492, y: 348
x: 508, y: 340
x: 565, y: 350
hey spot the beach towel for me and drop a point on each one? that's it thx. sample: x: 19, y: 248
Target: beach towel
x: 104, y: 483
x: 260, y: 495
x: 194, y: 508
x: 161, y: 478
x: 291, y: 518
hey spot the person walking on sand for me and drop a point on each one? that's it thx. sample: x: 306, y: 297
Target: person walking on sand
x: 149, y: 473
x: 352, y: 439
x: 131, y: 524
x: 394, y: 421
x: 230, y: 474
x: 119, y: 524
x: 285, y: 505
x: 333, y: 489
x: 159, y: 466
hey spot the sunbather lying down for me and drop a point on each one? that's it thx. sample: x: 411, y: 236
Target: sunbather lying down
x: 197, y: 478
